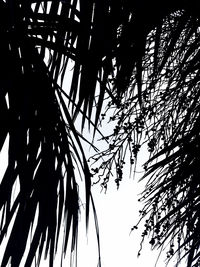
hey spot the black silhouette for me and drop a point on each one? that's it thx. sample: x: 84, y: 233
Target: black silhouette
x: 144, y: 55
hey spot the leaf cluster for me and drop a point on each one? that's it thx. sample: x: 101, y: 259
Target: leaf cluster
x: 146, y: 61
x: 164, y: 115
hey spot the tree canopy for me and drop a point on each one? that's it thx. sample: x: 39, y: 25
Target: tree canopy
x: 141, y: 59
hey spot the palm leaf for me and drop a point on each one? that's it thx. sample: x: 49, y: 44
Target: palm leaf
x: 40, y: 151
x: 149, y: 68
x: 160, y: 108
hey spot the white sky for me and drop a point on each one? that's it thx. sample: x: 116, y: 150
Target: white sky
x: 117, y: 212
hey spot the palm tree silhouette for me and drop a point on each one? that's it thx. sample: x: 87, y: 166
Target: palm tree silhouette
x: 145, y: 57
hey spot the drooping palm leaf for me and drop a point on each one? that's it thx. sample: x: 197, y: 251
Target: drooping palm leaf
x: 42, y: 141
x: 149, y: 58
x: 160, y: 108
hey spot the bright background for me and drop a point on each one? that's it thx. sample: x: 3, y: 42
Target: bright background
x: 118, y: 212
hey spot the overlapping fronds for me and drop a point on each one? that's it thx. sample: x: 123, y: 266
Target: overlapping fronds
x: 161, y: 110
x: 39, y: 39
x: 146, y: 59
x: 44, y: 147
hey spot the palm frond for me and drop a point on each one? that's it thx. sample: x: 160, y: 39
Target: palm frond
x: 43, y: 142
x: 148, y: 62
x: 160, y: 109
